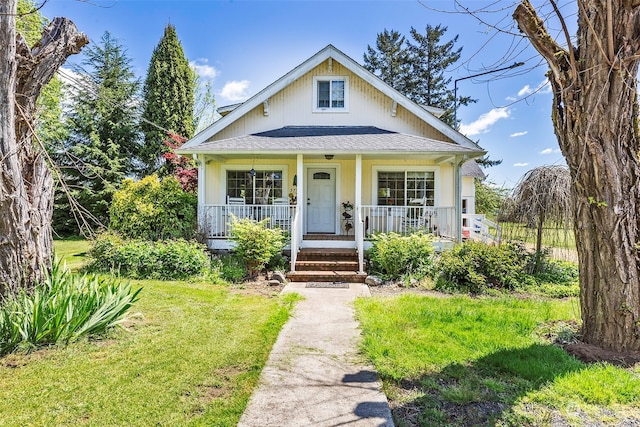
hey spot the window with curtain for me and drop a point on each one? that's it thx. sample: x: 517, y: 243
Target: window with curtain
x: 397, y: 188
x: 261, y: 188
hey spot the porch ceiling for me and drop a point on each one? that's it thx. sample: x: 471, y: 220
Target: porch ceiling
x: 338, y: 140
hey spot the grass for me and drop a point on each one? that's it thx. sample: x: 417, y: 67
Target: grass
x: 552, y: 237
x: 463, y: 361
x: 191, y: 354
x: 72, y: 251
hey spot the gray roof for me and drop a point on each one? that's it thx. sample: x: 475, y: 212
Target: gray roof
x: 337, y: 139
x: 471, y: 168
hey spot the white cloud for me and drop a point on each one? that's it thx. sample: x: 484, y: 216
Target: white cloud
x: 520, y: 165
x: 484, y: 122
x: 550, y: 151
x: 543, y: 87
x: 235, y: 90
x: 204, y: 70
x: 517, y: 134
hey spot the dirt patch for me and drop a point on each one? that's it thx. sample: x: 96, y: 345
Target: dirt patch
x: 588, y: 353
x: 260, y: 286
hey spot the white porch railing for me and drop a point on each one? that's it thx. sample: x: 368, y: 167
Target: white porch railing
x: 408, y: 219
x: 481, y: 228
x: 215, y: 220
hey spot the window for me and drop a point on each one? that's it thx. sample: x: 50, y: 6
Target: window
x: 330, y: 93
x: 259, y: 189
x: 398, y: 188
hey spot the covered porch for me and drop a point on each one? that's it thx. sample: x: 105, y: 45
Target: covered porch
x: 346, y: 197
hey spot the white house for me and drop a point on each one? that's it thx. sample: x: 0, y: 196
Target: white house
x: 331, y: 153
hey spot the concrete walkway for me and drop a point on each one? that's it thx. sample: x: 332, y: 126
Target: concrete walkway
x: 314, y: 375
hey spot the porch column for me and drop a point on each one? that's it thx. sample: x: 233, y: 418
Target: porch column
x: 457, y: 176
x: 202, y: 182
x: 359, y: 234
x: 297, y: 226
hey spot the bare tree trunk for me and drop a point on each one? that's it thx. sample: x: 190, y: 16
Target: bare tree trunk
x: 595, y: 120
x: 26, y: 184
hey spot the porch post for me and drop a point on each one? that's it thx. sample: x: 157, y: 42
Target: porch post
x: 457, y: 176
x: 202, y: 182
x: 297, y: 228
x: 359, y: 234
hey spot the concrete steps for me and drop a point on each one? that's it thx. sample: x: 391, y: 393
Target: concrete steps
x: 327, y: 265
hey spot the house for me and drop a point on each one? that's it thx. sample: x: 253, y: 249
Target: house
x: 331, y: 153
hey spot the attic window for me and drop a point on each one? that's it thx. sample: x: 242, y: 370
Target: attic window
x: 330, y: 94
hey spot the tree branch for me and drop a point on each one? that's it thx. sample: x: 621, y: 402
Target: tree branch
x: 533, y: 27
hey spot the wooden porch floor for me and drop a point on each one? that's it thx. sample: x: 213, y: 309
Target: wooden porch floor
x: 329, y: 237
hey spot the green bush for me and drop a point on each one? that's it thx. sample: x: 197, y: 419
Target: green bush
x: 62, y: 309
x: 232, y: 268
x: 475, y: 267
x: 255, y: 243
x: 394, y: 256
x: 142, y: 259
x: 152, y: 209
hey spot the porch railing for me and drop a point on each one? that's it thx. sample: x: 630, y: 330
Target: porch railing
x: 215, y: 220
x: 478, y: 227
x: 409, y: 219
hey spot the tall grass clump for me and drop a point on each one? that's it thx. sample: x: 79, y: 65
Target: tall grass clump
x: 394, y: 256
x: 61, y: 309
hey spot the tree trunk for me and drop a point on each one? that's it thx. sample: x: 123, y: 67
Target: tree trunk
x: 26, y: 184
x: 595, y: 117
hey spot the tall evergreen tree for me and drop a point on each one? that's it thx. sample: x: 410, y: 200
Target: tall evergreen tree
x: 390, y: 60
x: 417, y: 69
x: 103, y: 133
x: 169, y: 96
x: 430, y: 58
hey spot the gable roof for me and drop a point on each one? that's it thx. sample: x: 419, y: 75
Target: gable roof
x: 337, y: 139
x: 330, y: 52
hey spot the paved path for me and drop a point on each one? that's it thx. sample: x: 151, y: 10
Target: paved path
x: 314, y: 375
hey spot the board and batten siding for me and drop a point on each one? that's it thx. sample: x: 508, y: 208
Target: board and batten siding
x: 293, y: 106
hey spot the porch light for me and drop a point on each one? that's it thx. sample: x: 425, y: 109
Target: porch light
x: 252, y: 172
x: 295, y: 180
x: 328, y: 156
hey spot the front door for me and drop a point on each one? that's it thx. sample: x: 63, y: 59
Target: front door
x: 321, y: 200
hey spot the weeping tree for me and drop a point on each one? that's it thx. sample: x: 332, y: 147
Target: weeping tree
x: 595, y: 118
x: 543, y: 198
x: 26, y: 183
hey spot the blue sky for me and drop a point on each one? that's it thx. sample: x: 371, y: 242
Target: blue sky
x: 242, y: 46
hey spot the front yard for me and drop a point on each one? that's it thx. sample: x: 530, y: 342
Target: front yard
x: 190, y: 354
x: 460, y: 361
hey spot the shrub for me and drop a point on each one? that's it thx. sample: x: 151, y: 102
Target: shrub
x: 255, y: 243
x: 62, y: 309
x: 141, y: 259
x: 474, y: 267
x: 152, y: 209
x: 232, y: 268
x: 393, y: 256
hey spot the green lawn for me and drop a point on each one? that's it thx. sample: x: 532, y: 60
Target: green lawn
x: 72, y: 251
x: 191, y: 354
x: 479, y: 362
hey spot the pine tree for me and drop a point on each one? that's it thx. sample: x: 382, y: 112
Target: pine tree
x: 390, y: 60
x: 430, y: 58
x: 103, y: 133
x: 169, y: 96
x: 417, y: 69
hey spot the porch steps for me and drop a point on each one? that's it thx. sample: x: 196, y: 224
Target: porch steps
x: 327, y: 265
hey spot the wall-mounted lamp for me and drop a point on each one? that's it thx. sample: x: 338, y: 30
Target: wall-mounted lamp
x: 295, y: 180
x: 328, y: 156
x: 252, y: 172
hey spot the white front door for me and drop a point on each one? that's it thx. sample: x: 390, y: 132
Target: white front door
x: 321, y: 200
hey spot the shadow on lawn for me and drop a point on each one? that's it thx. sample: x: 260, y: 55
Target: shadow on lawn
x: 479, y: 392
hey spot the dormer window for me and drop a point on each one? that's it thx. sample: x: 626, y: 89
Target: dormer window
x: 331, y: 94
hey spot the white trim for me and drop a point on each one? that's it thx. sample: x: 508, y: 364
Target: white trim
x: 330, y: 79
x: 338, y: 182
x: 224, y: 167
x: 302, y: 69
x: 405, y: 168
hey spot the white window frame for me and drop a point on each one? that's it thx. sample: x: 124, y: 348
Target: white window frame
x: 405, y: 169
x: 330, y: 109
x: 248, y: 167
